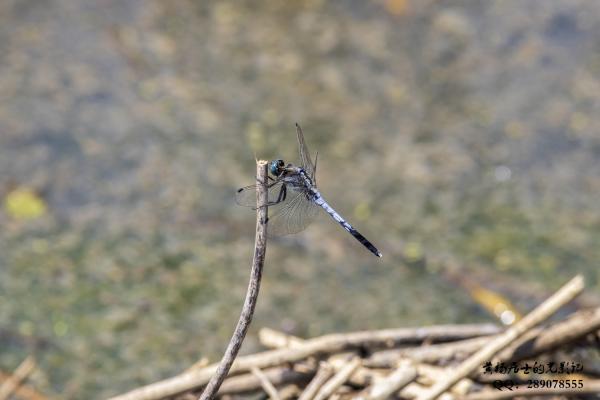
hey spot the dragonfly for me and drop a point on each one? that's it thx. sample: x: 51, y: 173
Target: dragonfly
x: 294, y: 198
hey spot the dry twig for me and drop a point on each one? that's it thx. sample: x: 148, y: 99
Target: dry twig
x: 382, y: 338
x: 260, y: 248
x: 24, y: 392
x: 402, y: 376
x: 324, y: 372
x: 567, y: 293
x: 266, y: 384
x: 247, y: 383
x: 10, y: 385
x: 432, y: 353
x: 542, y: 340
x: 276, y: 340
x: 338, y: 380
x: 291, y: 391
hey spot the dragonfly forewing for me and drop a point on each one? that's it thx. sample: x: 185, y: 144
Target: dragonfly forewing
x: 307, y: 162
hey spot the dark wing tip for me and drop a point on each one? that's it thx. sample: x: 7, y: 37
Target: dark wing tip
x: 240, y: 189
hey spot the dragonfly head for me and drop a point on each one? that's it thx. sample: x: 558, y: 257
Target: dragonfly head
x: 276, y: 167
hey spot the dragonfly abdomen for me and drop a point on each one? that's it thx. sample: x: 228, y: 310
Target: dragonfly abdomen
x: 319, y: 200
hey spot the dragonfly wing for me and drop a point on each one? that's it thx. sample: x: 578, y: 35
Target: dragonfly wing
x: 307, y: 162
x: 246, y: 196
x: 293, y: 217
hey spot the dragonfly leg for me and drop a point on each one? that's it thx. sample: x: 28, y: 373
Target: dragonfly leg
x: 282, y: 194
x: 280, y: 197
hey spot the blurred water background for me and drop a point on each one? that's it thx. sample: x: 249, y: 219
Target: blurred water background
x: 462, y: 138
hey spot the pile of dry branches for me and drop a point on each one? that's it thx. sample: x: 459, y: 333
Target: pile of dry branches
x: 411, y: 363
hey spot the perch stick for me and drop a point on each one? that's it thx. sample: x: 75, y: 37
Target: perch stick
x: 567, y: 293
x: 324, y: 372
x: 260, y: 248
x: 265, y: 383
x: 338, y: 380
x: 322, y: 345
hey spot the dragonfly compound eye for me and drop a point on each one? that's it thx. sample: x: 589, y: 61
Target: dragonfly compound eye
x: 275, y: 166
